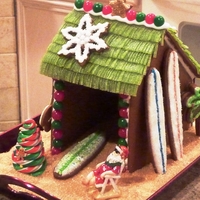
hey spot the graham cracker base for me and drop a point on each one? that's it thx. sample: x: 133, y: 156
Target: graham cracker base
x: 137, y: 185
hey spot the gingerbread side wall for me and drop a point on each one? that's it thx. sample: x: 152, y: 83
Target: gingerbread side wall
x: 137, y: 138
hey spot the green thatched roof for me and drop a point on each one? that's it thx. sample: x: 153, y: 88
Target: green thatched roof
x: 119, y: 69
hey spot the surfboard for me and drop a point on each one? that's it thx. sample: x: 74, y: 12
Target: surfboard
x: 80, y: 155
x: 156, y: 121
x: 174, y: 106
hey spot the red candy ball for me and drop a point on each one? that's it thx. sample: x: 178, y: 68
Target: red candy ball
x: 107, y: 10
x: 123, y: 96
x: 87, y: 6
x: 131, y: 15
x: 59, y: 96
x: 55, y: 151
x: 57, y: 134
x: 122, y: 132
x: 57, y: 114
x: 123, y: 112
x: 149, y: 19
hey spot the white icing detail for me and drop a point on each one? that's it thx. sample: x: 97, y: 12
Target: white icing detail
x: 83, y: 38
x: 125, y: 20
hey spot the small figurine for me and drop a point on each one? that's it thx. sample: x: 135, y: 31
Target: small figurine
x: 107, y: 172
x: 28, y: 157
x: 20, y: 154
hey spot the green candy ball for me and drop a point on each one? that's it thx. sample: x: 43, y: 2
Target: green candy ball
x: 122, y: 142
x: 79, y: 3
x: 140, y: 17
x: 56, y: 124
x: 122, y: 103
x: 122, y: 123
x: 57, y: 143
x: 57, y: 105
x: 159, y: 21
x: 59, y: 85
x: 97, y: 7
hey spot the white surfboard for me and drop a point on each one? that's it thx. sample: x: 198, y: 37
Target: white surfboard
x: 174, y: 110
x: 156, y: 121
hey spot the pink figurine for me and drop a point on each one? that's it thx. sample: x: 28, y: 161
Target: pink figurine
x: 107, y: 173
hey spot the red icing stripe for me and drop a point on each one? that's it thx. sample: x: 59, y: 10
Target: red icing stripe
x: 34, y: 149
x: 31, y: 143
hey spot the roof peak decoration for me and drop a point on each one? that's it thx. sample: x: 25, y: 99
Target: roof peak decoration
x: 84, y: 38
x: 120, y: 11
x: 119, y: 7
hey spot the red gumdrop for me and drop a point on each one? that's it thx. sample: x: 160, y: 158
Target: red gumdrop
x: 123, y: 112
x: 107, y: 10
x: 87, y: 6
x: 56, y: 114
x: 131, y: 15
x: 55, y: 151
x: 122, y: 132
x: 57, y: 134
x: 59, y: 95
x: 150, y: 18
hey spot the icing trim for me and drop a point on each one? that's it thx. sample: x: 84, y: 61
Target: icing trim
x: 125, y: 20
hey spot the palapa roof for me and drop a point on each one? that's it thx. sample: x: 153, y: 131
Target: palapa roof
x: 118, y: 69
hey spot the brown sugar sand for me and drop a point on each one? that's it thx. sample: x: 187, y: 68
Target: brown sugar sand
x: 140, y: 184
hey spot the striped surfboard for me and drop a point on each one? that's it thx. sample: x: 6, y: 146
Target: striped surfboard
x: 80, y: 155
x: 156, y: 121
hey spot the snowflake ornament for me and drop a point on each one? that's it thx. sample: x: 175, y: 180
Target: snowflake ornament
x: 83, y: 39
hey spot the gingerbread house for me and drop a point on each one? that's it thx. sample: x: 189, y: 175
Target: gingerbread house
x: 116, y: 73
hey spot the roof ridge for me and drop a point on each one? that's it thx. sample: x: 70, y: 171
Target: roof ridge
x: 132, y: 17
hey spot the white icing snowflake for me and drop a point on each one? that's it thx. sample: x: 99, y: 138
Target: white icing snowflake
x: 84, y: 38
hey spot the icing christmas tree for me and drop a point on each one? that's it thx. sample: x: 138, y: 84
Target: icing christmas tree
x: 29, y: 154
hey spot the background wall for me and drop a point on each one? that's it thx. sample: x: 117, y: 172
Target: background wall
x: 174, y: 11
x: 9, y: 91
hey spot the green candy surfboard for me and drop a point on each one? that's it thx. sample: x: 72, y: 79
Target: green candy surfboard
x: 80, y: 155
